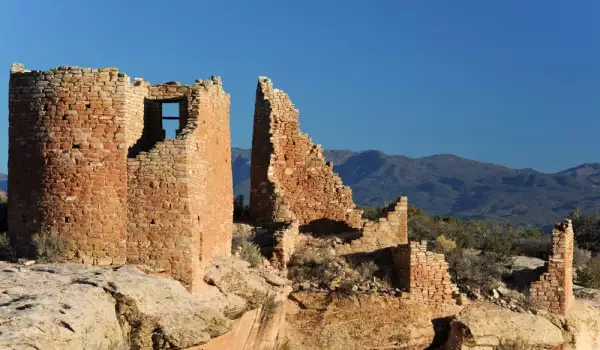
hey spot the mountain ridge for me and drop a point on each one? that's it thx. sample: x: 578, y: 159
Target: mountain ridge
x: 446, y: 184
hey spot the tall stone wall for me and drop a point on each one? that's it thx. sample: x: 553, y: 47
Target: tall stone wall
x: 554, y: 290
x: 289, y: 176
x: 88, y: 160
x: 424, y: 274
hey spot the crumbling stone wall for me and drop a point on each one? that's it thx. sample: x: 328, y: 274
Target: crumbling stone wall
x: 554, y: 290
x: 424, y: 274
x: 389, y: 231
x: 285, y: 239
x: 89, y: 161
x: 289, y: 176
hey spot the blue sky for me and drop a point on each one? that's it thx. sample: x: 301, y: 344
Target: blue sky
x: 510, y: 82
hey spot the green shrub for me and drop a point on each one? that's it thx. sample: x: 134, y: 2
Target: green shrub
x: 7, y: 252
x: 51, y: 247
x: 535, y: 247
x: 241, y: 212
x: 475, y: 270
x: 589, y: 275
x: 444, y: 245
x: 581, y: 256
x: 247, y: 250
x: 371, y: 213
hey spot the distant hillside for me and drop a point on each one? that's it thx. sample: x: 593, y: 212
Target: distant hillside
x: 449, y: 185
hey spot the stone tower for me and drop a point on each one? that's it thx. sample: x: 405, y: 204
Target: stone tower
x: 88, y: 160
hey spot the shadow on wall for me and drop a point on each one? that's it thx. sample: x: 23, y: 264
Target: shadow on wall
x: 523, y: 278
x: 327, y: 227
x: 382, y: 258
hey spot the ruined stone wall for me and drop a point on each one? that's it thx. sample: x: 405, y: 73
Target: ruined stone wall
x: 285, y: 239
x: 180, y: 202
x: 554, y: 290
x: 211, y: 187
x: 88, y: 160
x: 67, y: 158
x: 424, y: 274
x: 289, y: 176
x: 389, y: 231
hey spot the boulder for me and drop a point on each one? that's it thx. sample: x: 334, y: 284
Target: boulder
x: 234, y: 277
x: 65, y: 306
x: 490, y: 328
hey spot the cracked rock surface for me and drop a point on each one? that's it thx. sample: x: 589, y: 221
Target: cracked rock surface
x: 62, y: 306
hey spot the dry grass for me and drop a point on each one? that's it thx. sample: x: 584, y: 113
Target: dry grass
x: 247, y: 250
x: 51, y: 247
x: 372, y: 322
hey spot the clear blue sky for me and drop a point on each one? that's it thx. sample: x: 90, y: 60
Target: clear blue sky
x: 511, y: 82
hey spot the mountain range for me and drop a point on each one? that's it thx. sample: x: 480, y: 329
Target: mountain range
x: 446, y: 184
x: 449, y: 185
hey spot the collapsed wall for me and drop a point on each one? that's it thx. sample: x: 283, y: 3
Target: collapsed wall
x: 290, y: 178
x: 554, y: 290
x: 389, y: 231
x: 424, y: 274
x: 89, y: 160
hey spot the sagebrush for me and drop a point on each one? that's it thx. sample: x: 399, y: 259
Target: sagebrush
x: 247, y: 250
x: 51, y: 247
x: 589, y: 275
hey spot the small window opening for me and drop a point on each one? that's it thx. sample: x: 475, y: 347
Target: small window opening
x: 76, y: 146
x: 153, y: 222
x: 65, y: 117
x: 88, y: 105
x: 67, y: 219
x: 170, y: 119
x: 198, y: 218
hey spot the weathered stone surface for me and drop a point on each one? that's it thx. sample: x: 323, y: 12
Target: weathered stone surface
x: 88, y: 160
x: 554, y: 290
x: 81, y: 307
x: 476, y: 328
x: 233, y: 276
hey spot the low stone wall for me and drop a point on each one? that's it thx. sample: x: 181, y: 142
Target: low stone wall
x: 554, y: 290
x: 424, y: 274
x: 389, y: 231
x: 284, y: 242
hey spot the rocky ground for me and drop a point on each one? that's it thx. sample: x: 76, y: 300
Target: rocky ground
x: 66, y: 306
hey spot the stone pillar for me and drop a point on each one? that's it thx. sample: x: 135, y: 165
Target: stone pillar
x: 554, y: 290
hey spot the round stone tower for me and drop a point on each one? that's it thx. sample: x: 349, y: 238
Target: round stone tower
x: 68, y: 159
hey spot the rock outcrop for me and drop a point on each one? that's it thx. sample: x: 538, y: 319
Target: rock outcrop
x: 67, y: 306
x: 480, y: 328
